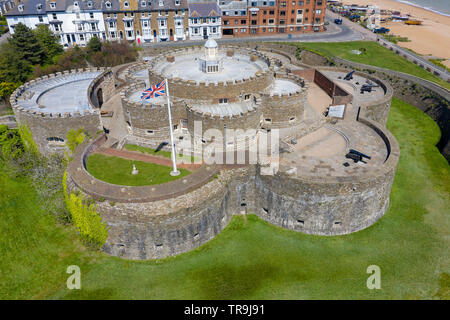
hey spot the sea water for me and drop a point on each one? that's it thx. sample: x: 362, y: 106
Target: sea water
x: 438, y: 6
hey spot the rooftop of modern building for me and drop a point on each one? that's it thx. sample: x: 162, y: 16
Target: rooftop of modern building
x: 234, y: 5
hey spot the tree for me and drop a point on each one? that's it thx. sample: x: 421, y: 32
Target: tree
x: 26, y: 44
x: 12, y: 67
x: 94, y: 45
x: 113, y: 54
x: 49, y: 42
x: 6, y: 88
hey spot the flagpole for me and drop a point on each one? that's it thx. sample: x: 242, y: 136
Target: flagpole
x: 175, y: 172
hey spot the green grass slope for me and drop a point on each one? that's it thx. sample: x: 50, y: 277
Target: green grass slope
x: 253, y: 259
x: 375, y: 55
x: 34, y: 250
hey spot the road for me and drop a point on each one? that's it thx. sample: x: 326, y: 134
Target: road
x: 334, y: 33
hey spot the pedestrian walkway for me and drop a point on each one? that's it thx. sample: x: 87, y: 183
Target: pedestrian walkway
x: 146, y: 158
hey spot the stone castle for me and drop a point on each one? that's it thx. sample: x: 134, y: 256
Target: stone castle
x: 310, y: 186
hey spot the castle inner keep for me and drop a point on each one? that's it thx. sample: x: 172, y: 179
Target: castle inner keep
x: 224, y: 100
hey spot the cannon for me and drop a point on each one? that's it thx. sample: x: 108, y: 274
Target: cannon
x: 368, y: 87
x: 349, y: 76
x: 355, y: 157
x: 359, y: 153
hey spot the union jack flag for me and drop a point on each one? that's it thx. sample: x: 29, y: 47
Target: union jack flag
x: 155, y: 91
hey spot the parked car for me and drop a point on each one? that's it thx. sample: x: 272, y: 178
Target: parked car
x: 381, y: 30
x: 338, y: 21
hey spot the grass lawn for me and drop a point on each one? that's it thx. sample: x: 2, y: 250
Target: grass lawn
x: 34, y: 250
x: 162, y: 153
x: 256, y: 260
x: 117, y: 170
x: 375, y: 55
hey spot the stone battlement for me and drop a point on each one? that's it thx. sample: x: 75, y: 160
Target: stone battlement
x: 254, y: 105
x: 210, y: 90
x: 20, y: 94
x: 281, y: 95
x: 133, y: 68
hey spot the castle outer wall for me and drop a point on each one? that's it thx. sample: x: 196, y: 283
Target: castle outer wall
x: 162, y: 228
x: 50, y: 129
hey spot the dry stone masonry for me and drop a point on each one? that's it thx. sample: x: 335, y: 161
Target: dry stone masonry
x: 261, y: 89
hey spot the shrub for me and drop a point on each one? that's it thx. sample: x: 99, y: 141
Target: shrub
x: 11, y: 145
x: 75, y: 138
x: 27, y: 139
x: 92, y: 229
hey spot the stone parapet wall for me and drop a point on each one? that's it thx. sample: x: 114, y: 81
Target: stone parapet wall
x: 20, y: 90
x: 157, y: 227
x: 421, y: 62
x: 377, y: 110
x: 97, y: 189
x: 133, y: 68
x: 249, y: 120
x: 192, y: 89
x: 149, y: 116
x: 284, y: 110
x: 169, y: 227
x: 105, y: 82
x: 428, y: 96
x: 46, y: 125
x: 328, y: 205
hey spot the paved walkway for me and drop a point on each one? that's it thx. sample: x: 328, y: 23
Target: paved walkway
x: 145, y: 158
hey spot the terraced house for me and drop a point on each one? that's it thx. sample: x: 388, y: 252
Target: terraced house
x: 74, y: 21
x: 146, y: 20
x: 204, y: 21
x: 268, y: 17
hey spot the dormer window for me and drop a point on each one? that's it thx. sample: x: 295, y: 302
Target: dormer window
x: 75, y: 4
x: 53, y: 5
x: 89, y: 4
x: 108, y: 4
x: 177, y: 2
x: 39, y: 7
x: 126, y: 4
x: 161, y: 3
x: 20, y: 7
x: 143, y: 3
